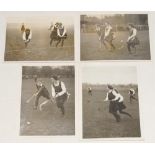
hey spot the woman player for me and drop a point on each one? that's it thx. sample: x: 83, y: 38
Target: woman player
x: 59, y: 93
x: 132, y: 95
x: 41, y: 91
x: 121, y: 106
x: 116, y: 103
x: 132, y: 40
x: 27, y: 36
x: 109, y: 36
x: 90, y: 91
x: 113, y: 106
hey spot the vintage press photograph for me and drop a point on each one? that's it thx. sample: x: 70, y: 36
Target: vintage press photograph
x: 39, y: 38
x: 47, y: 101
x: 110, y: 102
x: 115, y: 37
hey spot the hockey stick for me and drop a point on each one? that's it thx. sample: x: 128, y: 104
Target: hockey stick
x: 68, y: 96
x: 28, y: 100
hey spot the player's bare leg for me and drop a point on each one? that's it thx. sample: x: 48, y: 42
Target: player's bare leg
x: 125, y: 113
x: 51, y: 41
x: 105, y: 44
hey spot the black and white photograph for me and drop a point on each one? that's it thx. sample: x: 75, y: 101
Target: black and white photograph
x: 47, y: 101
x: 47, y: 37
x: 110, y: 102
x: 115, y: 37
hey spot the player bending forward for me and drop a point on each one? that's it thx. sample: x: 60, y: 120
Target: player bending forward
x: 41, y: 91
x: 27, y: 36
x: 59, y: 93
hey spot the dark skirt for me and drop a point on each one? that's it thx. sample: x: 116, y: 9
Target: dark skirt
x: 61, y: 100
x: 121, y: 105
x: 44, y: 93
x: 134, y: 41
x: 54, y: 35
x: 113, y: 107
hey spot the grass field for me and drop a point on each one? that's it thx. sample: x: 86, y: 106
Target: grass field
x: 99, y: 123
x: 39, y: 48
x: 90, y: 47
x: 49, y: 121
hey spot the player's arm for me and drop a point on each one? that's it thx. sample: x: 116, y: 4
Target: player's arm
x: 134, y: 34
x: 106, y: 99
x: 108, y: 32
x: 30, y: 36
x: 64, y: 32
x: 53, y: 91
x: 24, y: 38
x: 63, y: 90
x: 117, y: 96
x: 121, y: 98
x: 58, y: 32
x: 40, y: 89
x: 53, y: 94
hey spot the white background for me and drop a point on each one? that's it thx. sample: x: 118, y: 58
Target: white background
x: 11, y: 73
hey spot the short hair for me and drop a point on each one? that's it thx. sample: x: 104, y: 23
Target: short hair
x: 131, y: 24
x: 107, y: 22
x: 55, y: 77
x: 110, y: 86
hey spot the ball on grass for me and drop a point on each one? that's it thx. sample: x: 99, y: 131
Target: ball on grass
x: 28, y: 123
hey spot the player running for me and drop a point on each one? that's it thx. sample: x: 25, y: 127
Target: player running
x: 100, y: 32
x: 27, y: 36
x: 116, y: 103
x: 132, y: 95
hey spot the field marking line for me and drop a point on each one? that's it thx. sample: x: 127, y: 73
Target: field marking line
x: 38, y: 48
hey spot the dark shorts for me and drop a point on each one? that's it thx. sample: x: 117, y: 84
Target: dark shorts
x: 61, y: 100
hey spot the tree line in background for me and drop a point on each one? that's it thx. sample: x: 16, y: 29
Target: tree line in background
x: 47, y: 71
x: 118, y: 21
x: 104, y: 86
